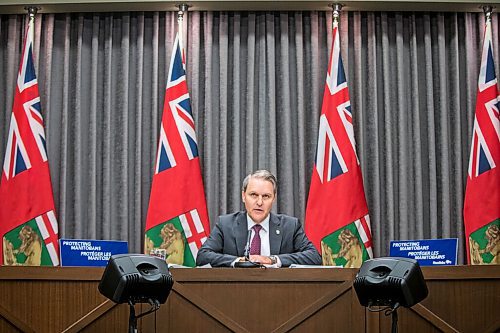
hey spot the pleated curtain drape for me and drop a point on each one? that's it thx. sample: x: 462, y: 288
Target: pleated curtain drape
x: 256, y: 81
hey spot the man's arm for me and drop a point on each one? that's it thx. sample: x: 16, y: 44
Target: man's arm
x: 304, y: 252
x: 211, y: 252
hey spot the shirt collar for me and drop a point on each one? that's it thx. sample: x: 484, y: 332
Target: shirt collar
x: 264, y: 224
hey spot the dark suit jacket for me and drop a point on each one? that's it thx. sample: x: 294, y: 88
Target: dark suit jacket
x: 228, y: 239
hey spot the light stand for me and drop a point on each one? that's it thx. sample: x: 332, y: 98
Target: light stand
x: 132, y: 319
x: 394, y: 326
x: 388, y: 310
x: 390, y: 283
x: 136, y: 278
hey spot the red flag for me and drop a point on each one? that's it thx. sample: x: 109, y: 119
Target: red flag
x: 337, y: 220
x: 482, y: 194
x: 177, y: 221
x: 28, y: 225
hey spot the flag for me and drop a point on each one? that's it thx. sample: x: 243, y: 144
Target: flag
x: 337, y: 220
x: 177, y: 222
x: 28, y: 224
x: 482, y: 193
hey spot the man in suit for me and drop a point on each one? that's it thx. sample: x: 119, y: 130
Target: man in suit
x: 276, y: 239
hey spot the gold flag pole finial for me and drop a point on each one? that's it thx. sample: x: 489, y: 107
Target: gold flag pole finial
x: 183, y: 7
x: 337, y: 7
x: 487, y: 9
x: 32, y: 10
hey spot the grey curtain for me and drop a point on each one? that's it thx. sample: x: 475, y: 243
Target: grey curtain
x: 256, y: 81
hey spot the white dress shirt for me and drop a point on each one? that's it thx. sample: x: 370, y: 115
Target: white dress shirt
x: 265, y: 247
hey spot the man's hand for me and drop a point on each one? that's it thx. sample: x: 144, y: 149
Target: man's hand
x: 261, y: 259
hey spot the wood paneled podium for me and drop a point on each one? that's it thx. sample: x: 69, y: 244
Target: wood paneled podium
x: 66, y: 299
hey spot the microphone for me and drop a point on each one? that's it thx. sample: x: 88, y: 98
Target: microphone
x: 247, y: 263
x: 247, y: 246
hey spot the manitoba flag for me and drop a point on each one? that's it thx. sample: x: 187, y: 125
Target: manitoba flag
x: 482, y: 193
x: 177, y: 222
x: 337, y: 220
x: 28, y: 225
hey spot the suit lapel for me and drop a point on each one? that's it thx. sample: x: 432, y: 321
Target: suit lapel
x: 275, y: 234
x: 240, y: 233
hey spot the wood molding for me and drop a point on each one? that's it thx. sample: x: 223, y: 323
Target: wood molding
x: 19, y: 273
x: 495, y: 328
x: 313, y: 308
x: 434, y: 319
x: 207, y: 308
x: 90, y: 317
x: 468, y: 272
x: 244, y: 274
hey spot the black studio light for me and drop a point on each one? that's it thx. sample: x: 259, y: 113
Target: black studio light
x: 136, y: 278
x: 390, y: 283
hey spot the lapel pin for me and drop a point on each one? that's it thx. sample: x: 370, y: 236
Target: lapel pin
x: 277, y: 232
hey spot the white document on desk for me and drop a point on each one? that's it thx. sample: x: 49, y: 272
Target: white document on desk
x: 312, y: 266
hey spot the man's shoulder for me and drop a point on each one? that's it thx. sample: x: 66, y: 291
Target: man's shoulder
x: 230, y: 218
x: 283, y: 218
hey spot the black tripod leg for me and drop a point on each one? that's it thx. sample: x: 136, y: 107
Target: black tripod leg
x: 394, y: 321
x: 132, y: 320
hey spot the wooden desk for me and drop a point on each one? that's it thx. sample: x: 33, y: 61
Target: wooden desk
x: 41, y: 299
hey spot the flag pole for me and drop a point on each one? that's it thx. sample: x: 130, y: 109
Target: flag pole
x: 32, y: 10
x: 183, y: 7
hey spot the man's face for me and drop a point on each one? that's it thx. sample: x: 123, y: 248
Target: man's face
x: 258, y: 199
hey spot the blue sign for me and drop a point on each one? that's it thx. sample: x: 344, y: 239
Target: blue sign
x: 428, y: 252
x: 89, y: 252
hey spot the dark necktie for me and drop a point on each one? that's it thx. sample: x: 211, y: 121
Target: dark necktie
x: 255, y: 245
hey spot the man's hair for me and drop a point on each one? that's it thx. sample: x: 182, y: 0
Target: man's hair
x: 261, y: 174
